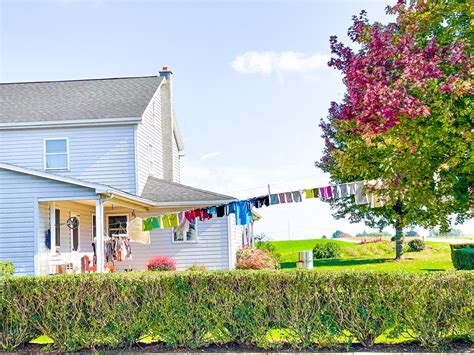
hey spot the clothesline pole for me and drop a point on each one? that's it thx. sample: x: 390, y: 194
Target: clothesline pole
x: 269, y: 193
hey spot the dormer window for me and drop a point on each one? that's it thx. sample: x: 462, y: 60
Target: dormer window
x: 56, y: 154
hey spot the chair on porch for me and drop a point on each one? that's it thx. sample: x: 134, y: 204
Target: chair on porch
x: 86, y: 265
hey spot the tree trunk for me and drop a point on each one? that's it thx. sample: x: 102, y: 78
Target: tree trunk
x: 398, y: 242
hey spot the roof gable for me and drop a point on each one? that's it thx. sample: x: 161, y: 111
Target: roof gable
x: 76, y: 99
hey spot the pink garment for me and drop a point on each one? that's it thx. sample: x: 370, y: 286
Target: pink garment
x: 190, y: 216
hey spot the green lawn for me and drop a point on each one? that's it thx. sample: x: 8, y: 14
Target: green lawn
x: 374, y: 256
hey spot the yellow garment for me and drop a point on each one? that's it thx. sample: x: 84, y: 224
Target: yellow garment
x: 170, y: 220
x: 173, y: 220
x: 135, y: 232
x: 309, y: 193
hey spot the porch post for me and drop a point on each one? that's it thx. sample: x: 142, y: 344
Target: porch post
x: 99, y: 232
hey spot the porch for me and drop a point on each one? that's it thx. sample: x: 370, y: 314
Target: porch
x: 104, y: 218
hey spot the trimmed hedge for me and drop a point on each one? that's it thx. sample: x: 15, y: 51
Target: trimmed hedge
x: 312, y: 309
x: 462, y: 260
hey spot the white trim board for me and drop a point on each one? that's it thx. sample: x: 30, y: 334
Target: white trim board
x: 71, y: 123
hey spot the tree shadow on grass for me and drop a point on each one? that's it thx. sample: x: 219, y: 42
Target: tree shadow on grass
x: 433, y: 269
x: 338, y: 262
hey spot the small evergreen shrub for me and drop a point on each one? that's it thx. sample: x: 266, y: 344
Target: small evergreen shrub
x: 327, y: 250
x: 462, y: 260
x: 6, y: 268
x: 161, y: 263
x: 416, y: 245
x: 255, y: 259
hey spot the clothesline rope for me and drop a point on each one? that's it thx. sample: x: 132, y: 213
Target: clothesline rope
x: 242, y: 209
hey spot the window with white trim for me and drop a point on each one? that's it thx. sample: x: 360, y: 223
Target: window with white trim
x: 117, y: 225
x: 153, y: 114
x: 56, y: 154
x: 191, y: 235
x: 150, y: 159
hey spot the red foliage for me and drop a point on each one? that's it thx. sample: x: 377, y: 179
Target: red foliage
x: 392, y: 77
x: 161, y: 263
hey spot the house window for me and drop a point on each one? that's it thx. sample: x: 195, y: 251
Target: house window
x: 150, y: 159
x: 57, y: 227
x: 117, y: 225
x: 56, y: 154
x: 189, y: 236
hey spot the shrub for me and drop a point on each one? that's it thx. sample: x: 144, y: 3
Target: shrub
x: 255, y: 259
x: 464, y: 258
x: 416, y: 245
x: 196, y: 268
x: 308, y: 308
x: 326, y: 250
x: 269, y: 247
x: 6, y: 268
x: 461, y: 259
x: 161, y: 263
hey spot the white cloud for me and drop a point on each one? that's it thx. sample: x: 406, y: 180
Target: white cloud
x: 270, y: 62
x: 210, y: 155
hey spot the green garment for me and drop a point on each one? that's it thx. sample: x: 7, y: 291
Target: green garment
x: 147, y: 225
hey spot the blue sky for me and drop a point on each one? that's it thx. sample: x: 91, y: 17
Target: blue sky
x: 250, y: 82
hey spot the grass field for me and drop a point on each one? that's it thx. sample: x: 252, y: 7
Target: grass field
x: 374, y: 256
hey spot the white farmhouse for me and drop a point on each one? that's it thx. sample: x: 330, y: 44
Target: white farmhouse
x: 103, y: 151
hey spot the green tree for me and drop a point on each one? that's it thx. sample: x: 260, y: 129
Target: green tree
x: 406, y: 118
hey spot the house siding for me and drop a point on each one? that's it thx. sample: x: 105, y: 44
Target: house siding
x: 18, y: 195
x: 149, y: 131
x: 102, y: 155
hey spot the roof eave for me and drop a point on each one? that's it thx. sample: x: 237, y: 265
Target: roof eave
x: 71, y: 123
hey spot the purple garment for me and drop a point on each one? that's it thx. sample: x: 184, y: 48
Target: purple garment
x: 322, y: 193
x: 289, y: 197
x: 329, y: 192
x: 282, y: 198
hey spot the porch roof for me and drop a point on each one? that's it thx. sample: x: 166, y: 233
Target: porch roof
x: 158, y: 195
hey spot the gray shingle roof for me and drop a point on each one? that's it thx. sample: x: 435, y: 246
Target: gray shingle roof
x: 76, y: 99
x: 160, y: 190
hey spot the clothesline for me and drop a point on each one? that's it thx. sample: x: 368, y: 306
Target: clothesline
x: 242, y: 209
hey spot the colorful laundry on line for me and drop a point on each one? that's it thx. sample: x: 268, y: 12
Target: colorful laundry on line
x: 243, y: 209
